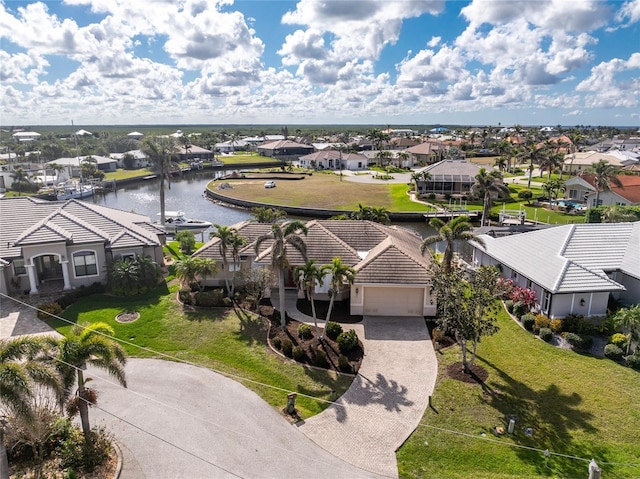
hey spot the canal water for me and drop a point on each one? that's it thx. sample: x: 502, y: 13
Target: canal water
x: 187, y: 195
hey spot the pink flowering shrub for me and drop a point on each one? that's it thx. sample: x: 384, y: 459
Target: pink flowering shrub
x: 505, y: 287
x: 526, y: 296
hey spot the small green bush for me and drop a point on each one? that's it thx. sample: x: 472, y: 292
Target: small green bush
x: 576, y: 323
x: 304, y: 331
x: 545, y: 334
x: 298, y: 353
x: 277, y: 343
x: 287, y: 347
x: 187, y: 241
x: 633, y: 361
x: 580, y: 342
x: 519, y: 309
x: 321, y: 358
x: 556, y: 325
x: 185, y: 295
x: 47, y: 310
x: 613, y: 352
x: 332, y: 330
x: 343, y: 364
x: 509, y: 305
x: 542, y: 321
x: 347, y: 340
x: 619, y: 340
x: 528, y: 321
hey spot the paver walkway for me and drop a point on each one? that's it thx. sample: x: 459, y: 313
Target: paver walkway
x: 18, y: 318
x: 386, y: 400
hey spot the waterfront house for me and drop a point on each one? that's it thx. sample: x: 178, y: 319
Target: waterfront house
x: 284, y: 149
x: 427, y: 152
x: 573, y: 269
x: 331, y: 160
x: 582, y: 188
x: 449, y: 177
x: 61, y: 245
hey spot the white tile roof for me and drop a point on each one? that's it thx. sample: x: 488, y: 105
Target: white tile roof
x: 571, y: 257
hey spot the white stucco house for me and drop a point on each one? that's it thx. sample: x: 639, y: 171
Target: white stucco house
x: 574, y: 269
x: 332, y: 160
x: 582, y: 188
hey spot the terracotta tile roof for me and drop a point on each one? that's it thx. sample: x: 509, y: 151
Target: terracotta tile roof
x: 630, y: 189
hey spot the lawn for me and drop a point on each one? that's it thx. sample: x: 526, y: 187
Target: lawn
x: 122, y: 174
x: 577, y: 405
x: 248, y: 159
x: 214, y: 338
x: 324, y: 191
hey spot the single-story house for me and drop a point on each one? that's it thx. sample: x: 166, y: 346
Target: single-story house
x: 140, y: 159
x: 331, y: 160
x: 392, y: 276
x: 67, y: 244
x: 135, y: 135
x: 26, y: 136
x: 284, y: 149
x: 195, y: 153
x: 572, y: 268
x: 582, y: 188
x: 449, y: 177
x: 72, y: 165
x: 581, y: 162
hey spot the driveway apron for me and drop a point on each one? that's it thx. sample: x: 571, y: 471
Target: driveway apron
x: 386, y: 400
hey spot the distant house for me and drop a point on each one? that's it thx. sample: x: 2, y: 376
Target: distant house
x: 449, y: 177
x: 26, y: 136
x: 68, y: 244
x: 581, y: 162
x: 572, y: 268
x: 331, y: 160
x: 582, y: 188
x: 427, y: 152
x: 392, y: 276
x: 140, y: 159
x: 284, y: 149
x: 72, y: 165
x: 195, y: 153
x: 135, y: 135
x: 83, y: 133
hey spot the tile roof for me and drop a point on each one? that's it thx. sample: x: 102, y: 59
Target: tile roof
x: 249, y: 230
x: 630, y: 189
x: 571, y: 257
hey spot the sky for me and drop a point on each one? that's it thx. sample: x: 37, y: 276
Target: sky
x: 373, y: 62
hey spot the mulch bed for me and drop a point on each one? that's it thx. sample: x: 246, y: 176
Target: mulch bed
x: 478, y: 374
x: 340, y: 313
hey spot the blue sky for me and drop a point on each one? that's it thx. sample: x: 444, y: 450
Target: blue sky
x: 480, y: 62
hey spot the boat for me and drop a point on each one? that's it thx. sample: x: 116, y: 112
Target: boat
x: 177, y: 221
x: 68, y: 191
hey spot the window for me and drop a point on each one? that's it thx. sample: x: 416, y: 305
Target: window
x: 85, y: 263
x: 128, y: 257
x: 546, y: 298
x: 19, y: 267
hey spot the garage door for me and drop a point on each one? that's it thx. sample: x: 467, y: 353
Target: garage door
x: 393, y: 301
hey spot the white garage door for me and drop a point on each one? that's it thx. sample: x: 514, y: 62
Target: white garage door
x: 393, y: 301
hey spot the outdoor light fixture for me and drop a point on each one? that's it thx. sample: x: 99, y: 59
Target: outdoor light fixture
x: 581, y: 301
x: 357, y: 290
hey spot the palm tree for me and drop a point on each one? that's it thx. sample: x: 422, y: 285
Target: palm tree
x: 616, y: 214
x: 160, y: 151
x: 371, y: 213
x: 485, y: 185
x: 187, y: 271
x: 341, y: 274
x: 20, y: 179
x: 535, y: 154
x: 267, y: 215
x: 309, y: 276
x: 57, y: 168
x: 186, y: 144
x: 402, y: 156
x: 91, y: 345
x: 552, y: 188
x: 228, y: 238
x: 458, y: 229
x: 604, y: 177
x: 629, y: 319
x: 22, y: 365
x: 283, y: 235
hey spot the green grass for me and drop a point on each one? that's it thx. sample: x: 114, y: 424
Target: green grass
x: 214, y: 338
x: 577, y: 405
x: 244, y: 159
x: 121, y: 174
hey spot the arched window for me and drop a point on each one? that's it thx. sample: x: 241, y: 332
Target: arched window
x: 85, y: 263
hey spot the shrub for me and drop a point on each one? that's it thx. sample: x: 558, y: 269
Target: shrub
x: 509, y: 305
x: 304, y: 331
x: 580, y: 342
x: 542, y: 322
x: 287, y: 347
x: 47, y: 310
x: 633, y: 361
x: 347, y: 340
x: 619, y: 340
x: 519, y: 309
x: 185, y: 295
x: 298, y: 353
x: 215, y: 297
x: 545, y: 334
x: 343, y: 364
x: 332, y: 330
x: 613, y: 352
x: 187, y: 241
x: 528, y: 321
x: 576, y: 323
x: 556, y: 325
x: 277, y: 342
x: 437, y: 334
x: 321, y: 358
x: 573, y: 339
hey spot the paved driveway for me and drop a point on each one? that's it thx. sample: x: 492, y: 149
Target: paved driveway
x: 185, y: 421
x: 387, y: 399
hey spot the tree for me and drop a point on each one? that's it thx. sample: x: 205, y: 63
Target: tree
x: 309, y: 276
x: 20, y: 179
x: 228, y: 238
x: 267, y: 215
x: 188, y: 270
x: 525, y: 195
x: 91, y: 345
x: 485, y: 185
x: 160, y: 152
x: 22, y: 365
x: 125, y: 275
x: 616, y: 214
x: 552, y: 188
x: 463, y: 306
x: 282, y: 236
x: 371, y: 213
x: 255, y: 281
x: 187, y: 241
x: 605, y: 175
x: 629, y: 319
x: 535, y: 154
x: 458, y: 229
x: 57, y: 168
x: 402, y: 156
x: 341, y: 274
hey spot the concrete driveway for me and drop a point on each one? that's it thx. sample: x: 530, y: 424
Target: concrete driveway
x: 178, y: 421
x: 387, y: 399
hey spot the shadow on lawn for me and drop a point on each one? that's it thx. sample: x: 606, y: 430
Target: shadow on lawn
x: 253, y: 328
x: 552, y: 416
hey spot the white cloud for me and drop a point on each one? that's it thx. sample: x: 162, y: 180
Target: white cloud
x: 630, y: 12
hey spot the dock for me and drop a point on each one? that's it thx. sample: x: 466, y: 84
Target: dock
x: 444, y: 214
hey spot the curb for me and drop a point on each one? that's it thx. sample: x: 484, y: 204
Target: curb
x: 116, y: 447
